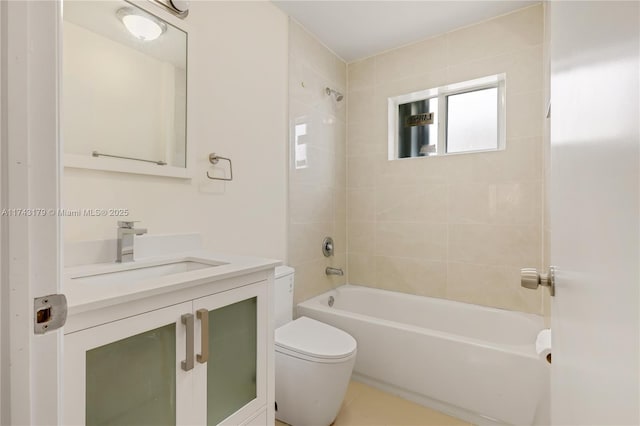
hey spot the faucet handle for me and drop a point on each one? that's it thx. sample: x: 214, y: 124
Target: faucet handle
x: 129, y: 224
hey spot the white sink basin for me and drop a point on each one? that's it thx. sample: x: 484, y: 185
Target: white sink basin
x: 132, y: 272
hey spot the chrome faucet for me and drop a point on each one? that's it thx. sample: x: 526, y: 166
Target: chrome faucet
x: 333, y: 271
x: 126, y: 232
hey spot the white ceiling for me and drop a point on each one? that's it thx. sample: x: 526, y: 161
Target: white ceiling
x: 358, y: 29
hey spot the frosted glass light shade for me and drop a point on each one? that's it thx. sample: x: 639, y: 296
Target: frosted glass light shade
x: 141, y: 26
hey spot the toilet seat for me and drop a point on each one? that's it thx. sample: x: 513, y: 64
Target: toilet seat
x: 313, y: 340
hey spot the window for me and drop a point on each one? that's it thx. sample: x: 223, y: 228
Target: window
x: 453, y: 119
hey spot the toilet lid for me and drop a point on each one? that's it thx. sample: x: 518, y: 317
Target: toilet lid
x: 315, y: 339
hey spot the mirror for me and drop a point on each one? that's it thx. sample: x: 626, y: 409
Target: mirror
x: 124, y: 89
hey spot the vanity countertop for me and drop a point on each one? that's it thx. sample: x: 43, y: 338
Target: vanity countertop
x: 84, y: 296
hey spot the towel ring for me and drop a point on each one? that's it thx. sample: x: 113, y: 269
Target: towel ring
x: 214, y: 159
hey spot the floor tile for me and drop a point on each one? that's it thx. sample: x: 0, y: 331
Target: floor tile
x: 367, y: 406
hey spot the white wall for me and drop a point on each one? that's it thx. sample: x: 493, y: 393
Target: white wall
x: 238, y: 109
x: 595, y: 212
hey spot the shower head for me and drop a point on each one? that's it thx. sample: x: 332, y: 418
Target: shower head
x: 337, y: 95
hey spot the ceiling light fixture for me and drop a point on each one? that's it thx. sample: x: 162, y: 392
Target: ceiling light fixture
x: 141, y: 25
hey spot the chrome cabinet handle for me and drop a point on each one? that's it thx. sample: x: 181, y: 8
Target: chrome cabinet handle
x: 203, y: 316
x: 187, y: 320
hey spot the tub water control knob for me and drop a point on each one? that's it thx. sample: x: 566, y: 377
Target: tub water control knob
x: 327, y: 247
x: 530, y: 278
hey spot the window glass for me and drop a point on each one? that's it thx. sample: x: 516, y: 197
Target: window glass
x: 418, y: 128
x: 472, y: 120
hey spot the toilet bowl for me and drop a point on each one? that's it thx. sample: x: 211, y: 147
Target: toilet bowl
x: 313, y: 362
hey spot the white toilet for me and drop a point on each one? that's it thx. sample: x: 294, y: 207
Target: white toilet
x: 313, y: 362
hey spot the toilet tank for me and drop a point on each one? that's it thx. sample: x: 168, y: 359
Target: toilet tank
x: 283, y: 290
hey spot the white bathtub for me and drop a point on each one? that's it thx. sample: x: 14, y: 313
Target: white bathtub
x: 474, y: 362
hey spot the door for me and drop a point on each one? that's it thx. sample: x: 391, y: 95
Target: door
x: 595, y: 212
x: 30, y: 227
x: 231, y: 343
x: 130, y: 371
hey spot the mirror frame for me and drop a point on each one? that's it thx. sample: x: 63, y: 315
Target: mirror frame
x: 78, y: 161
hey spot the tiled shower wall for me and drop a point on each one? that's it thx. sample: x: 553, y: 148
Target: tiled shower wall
x: 459, y: 226
x: 317, y: 163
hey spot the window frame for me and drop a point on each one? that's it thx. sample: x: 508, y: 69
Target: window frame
x: 442, y: 93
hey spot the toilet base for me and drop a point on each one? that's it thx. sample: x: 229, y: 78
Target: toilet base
x: 310, y: 393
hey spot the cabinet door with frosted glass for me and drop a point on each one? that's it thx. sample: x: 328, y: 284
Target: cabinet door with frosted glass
x: 128, y: 372
x: 231, y: 344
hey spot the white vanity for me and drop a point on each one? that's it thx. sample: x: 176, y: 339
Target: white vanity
x: 179, y: 336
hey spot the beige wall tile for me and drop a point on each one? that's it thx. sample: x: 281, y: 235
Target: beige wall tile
x: 359, y: 147
x: 305, y: 241
x: 517, y: 30
x: 417, y: 203
x: 414, y: 276
x: 360, y: 105
x: 317, y: 192
x: 361, y: 269
x: 304, y: 82
x: 311, y: 280
x: 340, y: 239
x: 520, y: 161
x: 411, y: 239
x: 330, y: 133
x: 362, y: 237
x: 318, y: 170
x: 340, y: 165
x: 458, y: 226
x: 498, y: 245
x: 518, y: 203
x: 360, y: 205
x: 497, y: 286
x: 498, y: 203
x: 361, y: 74
x: 310, y: 203
x: 340, y: 68
x: 411, y: 60
x: 411, y: 83
x: 471, y: 203
x: 525, y: 113
x: 361, y: 172
x: 410, y: 171
x: 340, y: 220
x: 364, y: 129
x: 522, y: 69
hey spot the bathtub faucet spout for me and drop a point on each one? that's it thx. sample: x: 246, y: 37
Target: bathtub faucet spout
x: 333, y: 271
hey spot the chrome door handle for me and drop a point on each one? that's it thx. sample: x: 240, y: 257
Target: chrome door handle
x: 203, y: 316
x: 530, y: 278
x: 187, y: 320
